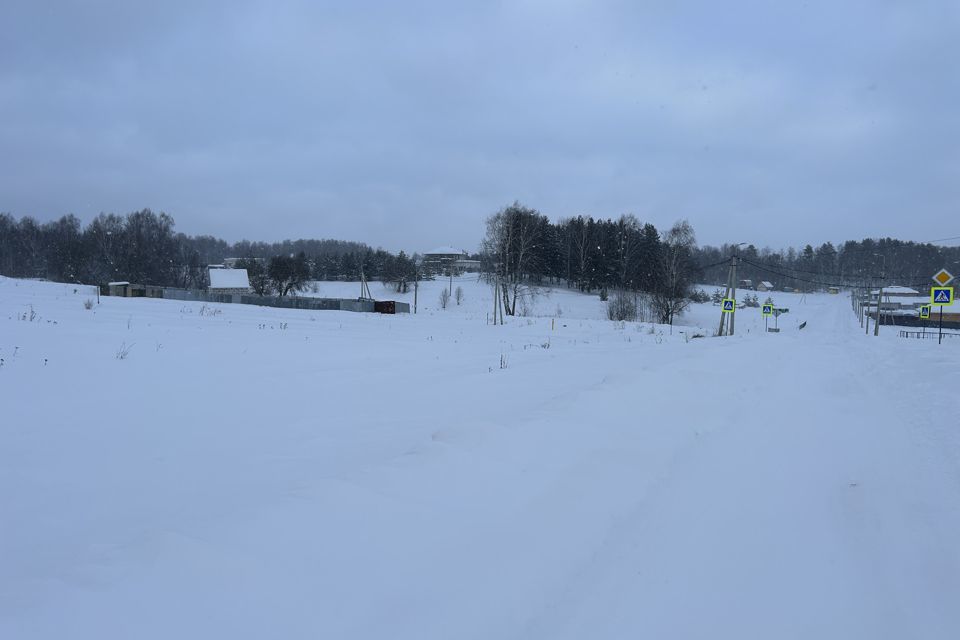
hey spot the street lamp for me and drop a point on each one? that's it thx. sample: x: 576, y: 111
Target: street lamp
x: 883, y: 277
x: 883, y: 265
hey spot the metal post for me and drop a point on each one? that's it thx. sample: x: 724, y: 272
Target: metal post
x: 940, y: 337
x: 876, y: 323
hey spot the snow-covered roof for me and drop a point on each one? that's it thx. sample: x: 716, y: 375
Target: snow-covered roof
x: 117, y: 284
x: 444, y: 251
x: 896, y: 289
x: 768, y: 285
x: 229, y: 279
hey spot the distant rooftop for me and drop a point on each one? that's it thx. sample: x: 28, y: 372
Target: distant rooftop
x: 229, y: 279
x: 444, y: 251
x: 896, y: 290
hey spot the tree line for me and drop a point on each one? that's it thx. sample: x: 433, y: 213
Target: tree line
x: 522, y: 247
x: 143, y: 247
x: 868, y: 262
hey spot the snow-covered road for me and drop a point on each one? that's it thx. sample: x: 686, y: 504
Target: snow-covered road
x: 356, y: 476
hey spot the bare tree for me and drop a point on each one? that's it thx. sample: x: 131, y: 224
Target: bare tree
x: 458, y: 295
x: 622, y: 306
x: 257, y: 273
x: 670, y: 297
x: 444, y: 298
x: 288, y: 274
x: 513, y: 235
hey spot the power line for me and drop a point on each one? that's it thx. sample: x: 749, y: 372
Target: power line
x: 819, y: 282
x: 715, y: 264
x: 941, y: 240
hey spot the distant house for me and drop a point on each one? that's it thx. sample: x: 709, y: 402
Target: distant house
x: 764, y: 286
x: 118, y: 288
x: 444, y: 260
x: 898, y: 299
x: 229, y: 281
x: 467, y: 266
x: 745, y: 284
x: 126, y: 290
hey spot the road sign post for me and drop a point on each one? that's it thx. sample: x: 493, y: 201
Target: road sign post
x: 925, y: 317
x: 729, y: 305
x: 767, y: 310
x: 942, y: 296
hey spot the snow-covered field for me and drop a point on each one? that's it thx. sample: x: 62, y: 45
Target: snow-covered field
x: 246, y: 472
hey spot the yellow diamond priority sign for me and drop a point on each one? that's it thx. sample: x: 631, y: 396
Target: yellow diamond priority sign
x: 943, y: 277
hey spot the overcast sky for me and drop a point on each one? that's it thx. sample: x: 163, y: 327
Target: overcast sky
x: 405, y: 124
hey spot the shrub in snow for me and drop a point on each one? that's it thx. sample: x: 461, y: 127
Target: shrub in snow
x: 458, y: 295
x: 123, y: 351
x: 88, y: 304
x: 623, y: 306
x: 444, y: 298
x: 699, y: 296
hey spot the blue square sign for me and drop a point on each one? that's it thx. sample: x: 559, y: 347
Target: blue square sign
x: 729, y: 306
x: 941, y: 295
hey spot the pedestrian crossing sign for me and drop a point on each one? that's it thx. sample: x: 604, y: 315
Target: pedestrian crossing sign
x: 925, y: 312
x: 729, y: 306
x: 941, y: 295
x: 768, y: 309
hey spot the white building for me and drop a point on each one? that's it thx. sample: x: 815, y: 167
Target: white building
x: 765, y: 286
x: 443, y: 260
x: 230, y: 281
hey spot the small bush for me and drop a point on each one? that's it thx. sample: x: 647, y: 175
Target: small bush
x: 444, y: 298
x: 88, y: 304
x: 699, y: 296
x: 123, y: 351
x: 622, y: 307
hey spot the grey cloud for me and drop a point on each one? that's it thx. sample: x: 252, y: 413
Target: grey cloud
x: 405, y: 124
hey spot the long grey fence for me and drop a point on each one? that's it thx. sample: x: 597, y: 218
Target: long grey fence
x: 286, y: 302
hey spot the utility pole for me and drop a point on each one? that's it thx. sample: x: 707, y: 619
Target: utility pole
x: 733, y: 316
x: 723, y: 316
